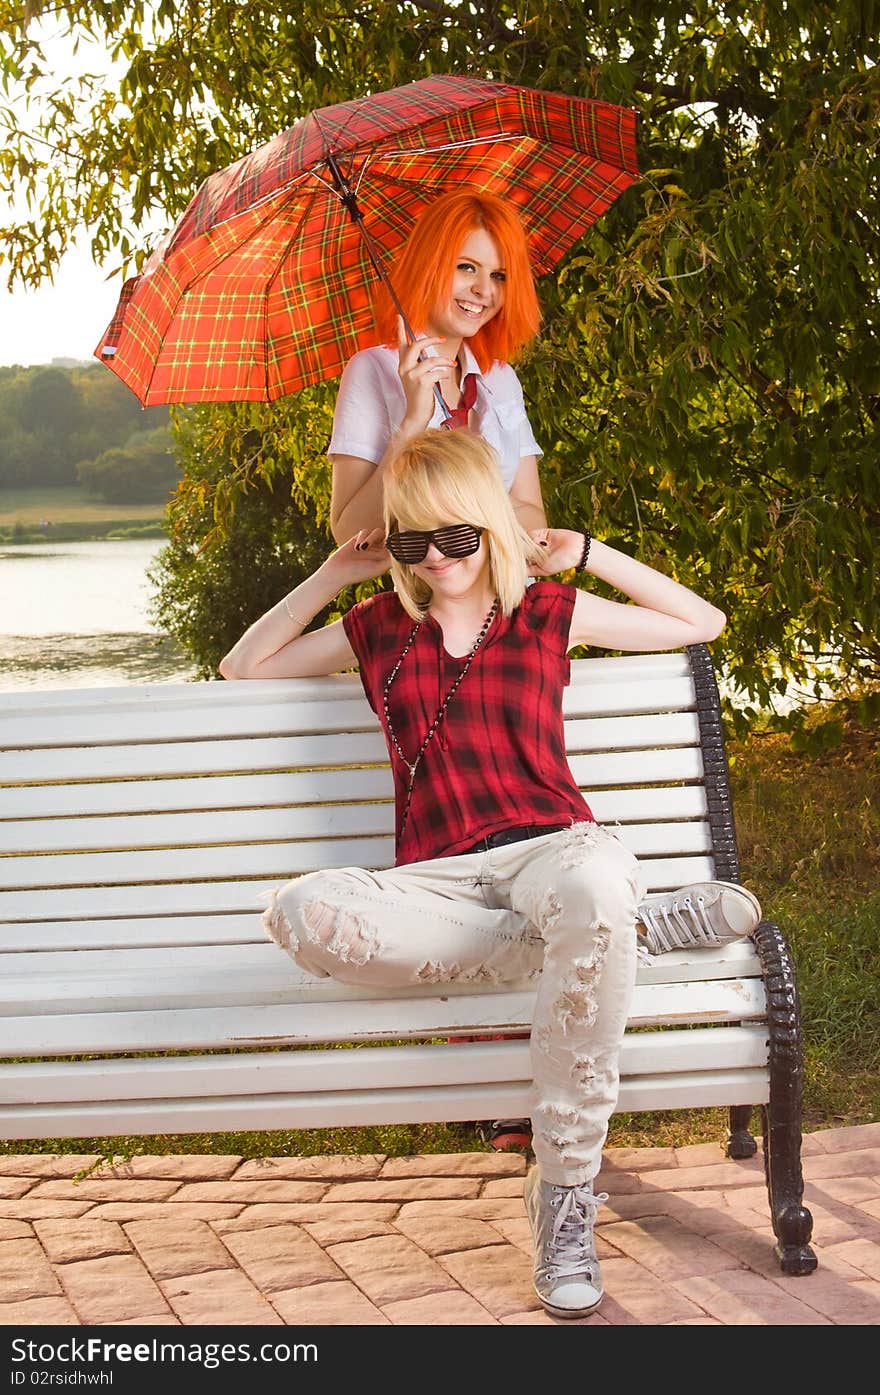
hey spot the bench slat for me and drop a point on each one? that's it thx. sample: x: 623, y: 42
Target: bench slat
x: 675, y: 729
x: 186, y: 898
x: 329, y: 1016
x: 278, y: 861
x: 633, y: 669
x: 46, y: 981
x: 223, y: 719
x: 199, y: 759
x: 647, y: 767
x: 307, y: 851
x: 173, y: 931
x: 232, y: 710
x: 350, y: 1109
x: 229, y: 828
x: 663, y: 729
x: 265, y: 1073
x: 168, y: 931
x: 122, y: 797
x: 352, y: 713
x: 160, y: 759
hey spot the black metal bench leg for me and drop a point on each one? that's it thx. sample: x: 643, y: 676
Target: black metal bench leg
x: 792, y: 1222
x: 741, y: 1142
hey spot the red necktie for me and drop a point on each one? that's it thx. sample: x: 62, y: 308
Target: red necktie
x: 458, y: 416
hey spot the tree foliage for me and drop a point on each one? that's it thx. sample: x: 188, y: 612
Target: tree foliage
x: 223, y: 567
x: 707, y: 383
x: 143, y: 471
x: 55, y: 421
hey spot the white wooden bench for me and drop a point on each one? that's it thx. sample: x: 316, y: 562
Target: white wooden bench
x: 140, y: 827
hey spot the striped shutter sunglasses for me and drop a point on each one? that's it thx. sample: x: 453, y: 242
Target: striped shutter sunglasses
x: 453, y: 540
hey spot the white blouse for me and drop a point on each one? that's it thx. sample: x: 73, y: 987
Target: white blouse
x: 371, y: 404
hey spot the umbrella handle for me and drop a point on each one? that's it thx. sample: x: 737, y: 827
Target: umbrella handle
x: 430, y: 352
x: 349, y: 199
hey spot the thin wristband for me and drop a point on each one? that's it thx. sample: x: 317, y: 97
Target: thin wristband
x: 295, y: 618
x: 582, y: 564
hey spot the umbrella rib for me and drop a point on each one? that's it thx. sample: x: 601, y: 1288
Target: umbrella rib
x: 423, y: 150
x: 451, y: 145
x: 357, y: 104
x: 363, y: 170
x: 327, y: 185
x: 275, y: 194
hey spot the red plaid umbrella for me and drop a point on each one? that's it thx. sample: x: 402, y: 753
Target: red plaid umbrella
x: 265, y: 284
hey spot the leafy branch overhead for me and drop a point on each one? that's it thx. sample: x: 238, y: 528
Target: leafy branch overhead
x: 707, y: 382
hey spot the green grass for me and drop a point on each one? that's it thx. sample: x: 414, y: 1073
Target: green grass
x: 809, y: 838
x: 74, y: 516
x: 809, y: 835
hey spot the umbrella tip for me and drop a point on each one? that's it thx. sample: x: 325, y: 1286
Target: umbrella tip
x: 108, y: 350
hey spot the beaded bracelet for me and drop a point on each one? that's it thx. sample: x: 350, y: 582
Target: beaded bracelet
x: 582, y: 564
x: 295, y: 618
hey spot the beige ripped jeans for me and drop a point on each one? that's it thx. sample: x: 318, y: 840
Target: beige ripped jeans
x: 560, y: 909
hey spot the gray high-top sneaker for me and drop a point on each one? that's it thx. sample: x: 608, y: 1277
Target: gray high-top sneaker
x: 568, y: 1280
x: 698, y: 916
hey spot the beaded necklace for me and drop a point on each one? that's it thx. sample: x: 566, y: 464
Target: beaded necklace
x: 413, y: 765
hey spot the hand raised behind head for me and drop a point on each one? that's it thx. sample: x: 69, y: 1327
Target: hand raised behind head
x: 361, y: 557
x: 556, y: 550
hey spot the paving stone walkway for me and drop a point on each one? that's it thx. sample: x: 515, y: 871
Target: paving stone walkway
x: 177, y: 1240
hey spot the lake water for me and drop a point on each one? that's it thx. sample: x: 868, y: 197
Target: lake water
x: 75, y: 615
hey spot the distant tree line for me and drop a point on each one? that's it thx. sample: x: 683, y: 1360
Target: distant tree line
x: 81, y: 425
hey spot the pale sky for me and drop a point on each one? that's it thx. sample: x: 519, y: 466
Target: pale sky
x: 64, y: 318
x: 61, y: 320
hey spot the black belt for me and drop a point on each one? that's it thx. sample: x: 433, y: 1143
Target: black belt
x: 514, y: 835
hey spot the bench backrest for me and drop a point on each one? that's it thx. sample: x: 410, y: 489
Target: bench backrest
x: 190, y: 800
x: 141, y: 828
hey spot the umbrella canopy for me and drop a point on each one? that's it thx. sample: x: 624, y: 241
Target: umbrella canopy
x: 265, y: 284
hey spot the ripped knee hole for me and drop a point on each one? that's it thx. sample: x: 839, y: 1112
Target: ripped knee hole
x: 340, y: 932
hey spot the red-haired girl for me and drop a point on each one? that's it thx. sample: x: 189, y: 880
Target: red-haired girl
x: 465, y: 281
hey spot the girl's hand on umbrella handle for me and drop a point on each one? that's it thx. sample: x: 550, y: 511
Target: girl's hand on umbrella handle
x: 420, y: 351
x: 420, y: 367
x: 555, y: 550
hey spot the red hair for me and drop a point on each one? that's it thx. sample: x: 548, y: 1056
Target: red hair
x: 423, y: 275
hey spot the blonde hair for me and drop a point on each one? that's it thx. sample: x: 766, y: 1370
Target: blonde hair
x: 444, y: 477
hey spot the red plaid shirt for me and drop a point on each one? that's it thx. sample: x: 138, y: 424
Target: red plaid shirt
x: 498, y: 758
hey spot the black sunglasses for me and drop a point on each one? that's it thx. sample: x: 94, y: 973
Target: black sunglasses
x: 453, y: 540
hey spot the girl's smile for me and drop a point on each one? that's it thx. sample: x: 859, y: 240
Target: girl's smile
x: 454, y: 578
